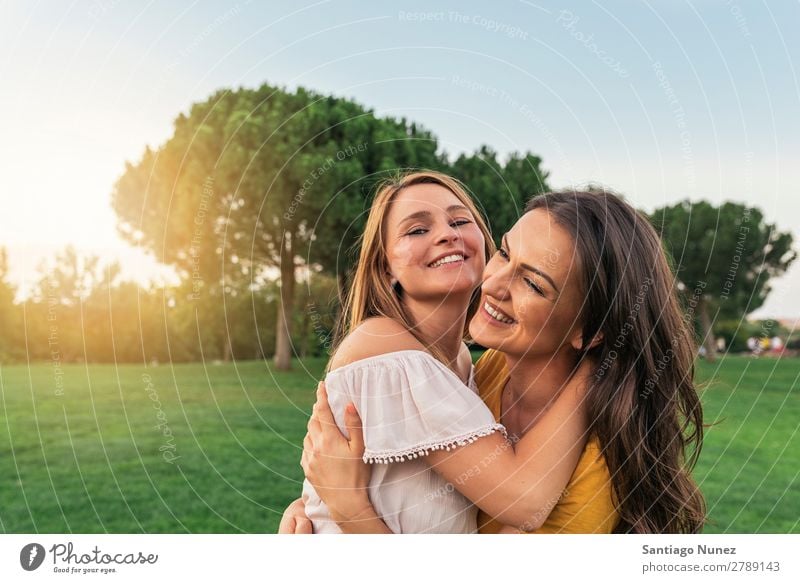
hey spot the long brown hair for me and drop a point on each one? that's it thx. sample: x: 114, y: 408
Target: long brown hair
x: 642, y: 403
x: 371, y: 293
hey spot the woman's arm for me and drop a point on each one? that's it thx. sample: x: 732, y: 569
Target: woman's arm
x: 334, y: 466
x: 295, y: 520
x: 518, y: 485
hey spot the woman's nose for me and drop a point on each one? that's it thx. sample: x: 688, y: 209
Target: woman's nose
x: 449, y: 234
x: 497, y: 282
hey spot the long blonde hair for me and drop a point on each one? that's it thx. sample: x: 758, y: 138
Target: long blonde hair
x: 371, y: 294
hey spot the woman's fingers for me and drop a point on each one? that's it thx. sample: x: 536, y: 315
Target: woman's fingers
x: 354, y: 429
x: 314, y: 427
x: 288, y: 525
x: 294, y: 519
x: 322, y: 409
x: 304, y: 462
x: 305, y: 457
x: 303, y: 526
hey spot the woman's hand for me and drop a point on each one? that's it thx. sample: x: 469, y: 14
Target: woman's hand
x: 294, y: 520
x: 333, y: 463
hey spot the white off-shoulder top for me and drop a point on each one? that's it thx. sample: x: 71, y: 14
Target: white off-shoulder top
x: 410, y: 404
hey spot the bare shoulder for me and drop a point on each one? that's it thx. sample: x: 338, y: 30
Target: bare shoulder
x: 373, y: 337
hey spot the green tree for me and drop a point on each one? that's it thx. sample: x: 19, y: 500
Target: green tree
x: 342, y: 196
x: 724, y: 258
x: 67, y: 316
x: 9, y: 313
x: 524, y: 178
x: 252, y: 180
x: 502, y: 190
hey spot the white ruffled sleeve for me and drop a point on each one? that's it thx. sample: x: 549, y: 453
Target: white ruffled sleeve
x: 410, y: 404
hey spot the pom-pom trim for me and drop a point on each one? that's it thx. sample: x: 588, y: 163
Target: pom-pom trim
x: 402, y: 455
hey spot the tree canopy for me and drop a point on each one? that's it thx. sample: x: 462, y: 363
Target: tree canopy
x: 729, y: 254
x: 261, y: 182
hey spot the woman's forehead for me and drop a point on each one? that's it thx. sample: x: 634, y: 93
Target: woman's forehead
x: 428, y: 197
x: 540, y: 241
x: 538, y: 226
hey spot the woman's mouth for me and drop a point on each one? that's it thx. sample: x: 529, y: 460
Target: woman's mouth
x: 495, y: 316
x: 452, y: 260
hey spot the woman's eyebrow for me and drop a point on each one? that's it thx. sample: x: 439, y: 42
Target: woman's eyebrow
x: 457, y: 207
x: 427, y: 214
x: 534, y: 269
x: 416, y: 215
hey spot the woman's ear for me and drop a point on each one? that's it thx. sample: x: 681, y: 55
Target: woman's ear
x: 597, y: 340
x: 577, y: 342
x: 393, y: 283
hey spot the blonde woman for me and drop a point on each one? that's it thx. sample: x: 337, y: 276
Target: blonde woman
x: 402, y: 361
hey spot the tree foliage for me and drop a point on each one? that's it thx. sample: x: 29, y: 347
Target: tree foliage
x: 252, y: 180
x: 728, y: 253
x: 258, y: 200
x: 502, y: 190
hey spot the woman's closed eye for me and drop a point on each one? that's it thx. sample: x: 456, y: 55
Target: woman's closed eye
x: 417, y: 231
x: 423, y: 230
x: 504, y: 254
x: 460, y: 222
x: 534, y: 287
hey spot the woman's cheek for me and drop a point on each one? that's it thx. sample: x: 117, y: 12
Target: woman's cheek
x: 403, y: 253
x: 534, y: 320
x: 477, y: 242
x: 480, y: 256
x: 524, y: 315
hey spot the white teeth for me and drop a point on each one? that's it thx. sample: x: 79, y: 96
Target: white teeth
x: 448, y: 259
x: 497, y: 315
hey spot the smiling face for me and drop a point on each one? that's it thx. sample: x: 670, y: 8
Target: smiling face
x: 433, y: 245
x: 531, y: 295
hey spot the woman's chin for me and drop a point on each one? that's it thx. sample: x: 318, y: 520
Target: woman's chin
x: 465, y: 287
x: 483, y: 334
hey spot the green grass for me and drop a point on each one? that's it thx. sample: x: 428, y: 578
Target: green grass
x: 89, y: 460
x: 749, y: 469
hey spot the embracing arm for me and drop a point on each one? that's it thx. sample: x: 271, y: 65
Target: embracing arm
x: 519, y: 485
x: 518, y: 488
x: 333, y: 464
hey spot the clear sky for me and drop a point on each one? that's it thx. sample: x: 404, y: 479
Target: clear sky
x: 659, y: 100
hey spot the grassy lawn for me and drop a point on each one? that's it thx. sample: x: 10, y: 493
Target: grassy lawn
x: 750, y: 466
x: 215, y: 448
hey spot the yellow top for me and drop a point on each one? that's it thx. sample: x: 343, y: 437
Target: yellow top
x: 586, y: 504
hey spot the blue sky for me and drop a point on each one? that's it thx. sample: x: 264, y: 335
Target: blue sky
x: 659, y: 100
